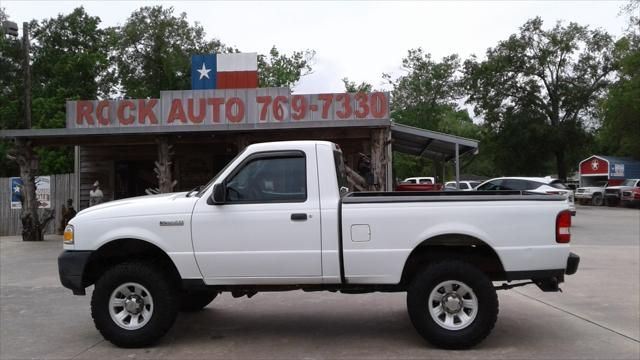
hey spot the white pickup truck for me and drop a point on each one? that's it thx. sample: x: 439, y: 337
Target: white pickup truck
x: 278, y: 218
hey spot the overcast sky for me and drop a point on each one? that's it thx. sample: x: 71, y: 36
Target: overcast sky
x: 360, y: 40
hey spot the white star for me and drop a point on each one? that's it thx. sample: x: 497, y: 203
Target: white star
x: 16, y: 189
x: 204, y: 72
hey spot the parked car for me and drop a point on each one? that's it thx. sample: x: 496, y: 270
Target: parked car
x: 419, y: 184
x: 613, y: 194
x: 276, y: 219
x: 545, y: 185
x: 420, y: 180
x: 593, y: 194
x: 464, y: 185
x: 631, y: 198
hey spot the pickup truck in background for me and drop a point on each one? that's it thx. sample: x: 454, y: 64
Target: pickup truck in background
x: 593, y: 194
x: 631, y: 197
x: 418, y: 184
x: 613, y: 194
x: 279, y: 218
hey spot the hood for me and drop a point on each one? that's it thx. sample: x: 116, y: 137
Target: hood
x: 161, y: 204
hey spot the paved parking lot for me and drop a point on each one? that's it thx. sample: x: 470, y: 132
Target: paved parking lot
x: 596, y: 317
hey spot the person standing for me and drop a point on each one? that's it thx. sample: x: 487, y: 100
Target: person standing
x: 95, y: 194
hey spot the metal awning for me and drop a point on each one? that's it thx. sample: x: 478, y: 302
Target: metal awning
x: 431, y: 144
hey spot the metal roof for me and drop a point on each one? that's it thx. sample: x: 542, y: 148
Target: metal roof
x: 431, y: 144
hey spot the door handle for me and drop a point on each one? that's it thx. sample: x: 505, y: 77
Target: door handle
x: 299, y: 217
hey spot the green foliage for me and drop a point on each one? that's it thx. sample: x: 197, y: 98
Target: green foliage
x: 620, y: 132
x: 11, y: 86
x: 555, y: 78
x: 352, y: 87
x: 154, y: 48
x: 280, y: 70
x: 428, y: 97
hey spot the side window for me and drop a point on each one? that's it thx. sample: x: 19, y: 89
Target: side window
x: 514, y: 184
x: 277, y: 179
x: 425, y: 181
x: 411, y: 181
x: 491, y: 185
x: 463, y: 186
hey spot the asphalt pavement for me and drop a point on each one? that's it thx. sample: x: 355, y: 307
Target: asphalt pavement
x: 597, y: 316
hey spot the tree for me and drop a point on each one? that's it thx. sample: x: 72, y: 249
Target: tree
x: 620, y: 132
x: 11, y: 88
x: 428, y: 96
x: 154, y: 49
x: 352, y: 87
x: 280, y: 70
x: 558, y: 75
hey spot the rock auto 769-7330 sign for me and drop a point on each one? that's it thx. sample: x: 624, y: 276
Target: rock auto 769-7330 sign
x: 232, y: 106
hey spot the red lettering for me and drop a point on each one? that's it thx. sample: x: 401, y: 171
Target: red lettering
x: 197, y: 119
x: 278, y: 107
x: 84, y: 109
x: 362, y: 110
x: 145, y: 110
x: 102, y: 118
x: 265, y: 101
x: 298, y: 107
x: 126, y: 104
x: 176, y: 112
x: 215, y: 103
x: 228, y: 109
x: 326, y: 99
x: 378, y: 105
x: 346, y: 106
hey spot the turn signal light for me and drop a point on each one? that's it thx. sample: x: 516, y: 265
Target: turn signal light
x: 68, y: 235
x: 563, y: 227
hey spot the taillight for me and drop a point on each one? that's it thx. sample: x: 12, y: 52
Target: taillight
x: 554, y: 193
x: 563, y: 227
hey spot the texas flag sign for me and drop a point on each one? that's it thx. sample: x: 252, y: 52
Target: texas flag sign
x: 224, y: 71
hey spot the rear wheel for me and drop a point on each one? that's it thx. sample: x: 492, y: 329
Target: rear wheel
x: 596, y: 200
x: 452, y: 304
x: 133, y: 304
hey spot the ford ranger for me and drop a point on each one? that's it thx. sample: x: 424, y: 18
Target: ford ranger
x: 279, y: 218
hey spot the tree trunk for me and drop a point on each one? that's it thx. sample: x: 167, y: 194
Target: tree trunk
x: 562, y: 170
x: 163, y: 166
x: 31, y: 227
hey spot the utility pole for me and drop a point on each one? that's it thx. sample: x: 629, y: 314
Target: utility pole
x: 27, y: 74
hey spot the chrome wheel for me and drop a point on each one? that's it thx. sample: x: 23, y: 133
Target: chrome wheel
x: 453, y: 305
x: 131, y: 306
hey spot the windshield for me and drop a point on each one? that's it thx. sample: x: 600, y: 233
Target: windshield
x: 205, y: 187
x: 629, y: 182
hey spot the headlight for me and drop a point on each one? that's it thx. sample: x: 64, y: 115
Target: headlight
x: 68, y: 235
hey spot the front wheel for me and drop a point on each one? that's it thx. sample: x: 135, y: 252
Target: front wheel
x: 452, y: 304
x: 597, y: 199
x: 134, y: 304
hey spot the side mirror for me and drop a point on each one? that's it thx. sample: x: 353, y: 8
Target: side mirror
x: 218, y: 196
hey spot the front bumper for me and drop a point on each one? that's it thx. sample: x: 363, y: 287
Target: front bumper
x: 572, y: 264
x: 583, y: 196
x: 71, y: 266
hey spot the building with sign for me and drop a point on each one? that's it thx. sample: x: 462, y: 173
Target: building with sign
x: 614, y: 170
x: 180, y: 140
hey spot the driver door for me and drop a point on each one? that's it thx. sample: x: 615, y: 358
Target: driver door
x: 268, y: 229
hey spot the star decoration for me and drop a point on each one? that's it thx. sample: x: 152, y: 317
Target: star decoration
x: 204, y: 72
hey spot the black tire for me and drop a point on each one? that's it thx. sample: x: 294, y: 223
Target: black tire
x: 159, y: 286
x: 191, y: 301
x: 612, y: 202
x: 429, y: 279
x: 597, y: 200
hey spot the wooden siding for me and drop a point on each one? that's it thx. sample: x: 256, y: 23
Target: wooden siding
x: 62, y: 188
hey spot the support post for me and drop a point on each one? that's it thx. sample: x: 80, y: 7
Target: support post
x: 163, y: 166
x: 27, y: 74
x: 32, y: 226
x: 457, y: 166
x: 379, y: 159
